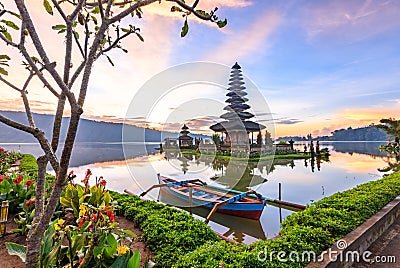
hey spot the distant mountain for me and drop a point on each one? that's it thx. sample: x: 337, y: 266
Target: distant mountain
x: 370, y: 133
x: 88, y: 131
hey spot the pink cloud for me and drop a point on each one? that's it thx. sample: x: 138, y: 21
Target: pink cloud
x: 349, y: 20
x: 246, y: 43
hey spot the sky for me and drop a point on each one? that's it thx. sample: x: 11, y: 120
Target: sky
x: 320, y: 65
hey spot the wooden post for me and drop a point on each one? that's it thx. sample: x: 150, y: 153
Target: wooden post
x: 3, y: 217
x: 280, y: 191
x: 280, y: 198
x: 190, y: 199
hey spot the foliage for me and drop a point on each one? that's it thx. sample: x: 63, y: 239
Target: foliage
x: 17, y: 188
x: 216, y: 139
x: 7, y: 159
x: 391, y: 126
x: 28, y: 164
x: 169, y: 232
x: 314, y: 229
x: 92, y: 29
x: 75, y: 195
x: 94, y: 239
x: 16, y: 249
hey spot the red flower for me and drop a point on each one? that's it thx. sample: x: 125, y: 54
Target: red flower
x: 29, y: 202
x: 1, y: 178
x: 85, y: 180
x: 103, y: 183
x: 71, y: 172
x: 18, y: 179
x: 81, y: 223
x: 1, y: 161
x: 110, y: 214
x: 29, y: 183
x: 88, y: 173
x: 94, y: 217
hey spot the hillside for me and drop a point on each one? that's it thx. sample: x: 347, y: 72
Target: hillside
x: 89, y: 130
x: 370, y: 133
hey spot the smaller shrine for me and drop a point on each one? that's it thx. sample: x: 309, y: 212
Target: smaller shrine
x: 185, y: 141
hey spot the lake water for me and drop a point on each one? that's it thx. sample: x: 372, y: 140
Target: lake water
x: 303, y: 181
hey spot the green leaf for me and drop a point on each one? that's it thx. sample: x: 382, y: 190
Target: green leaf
x: 4, y: 57
x: 185, y: 29
x: 76, y: 34
x: 10, y: 24
x: 109, y: 60
x: 140, y: 37
x: 129, y: 232
x: 16, y: 249
x: 14, y: 14
x: 3, y: 71
x: 121, y: 261
x: 58, y: 27
x: 94, y: 19
x: 134, y: 261
x: 222, y: 23
x: 96, y: 10
x: 8, y: 36
x: 48, y: 7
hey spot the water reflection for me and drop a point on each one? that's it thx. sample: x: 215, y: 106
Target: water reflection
x: 303, y: 181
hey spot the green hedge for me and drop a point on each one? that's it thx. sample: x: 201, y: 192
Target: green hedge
x: 314, y: 229
x: 170, y: 233
x: 28, y: 165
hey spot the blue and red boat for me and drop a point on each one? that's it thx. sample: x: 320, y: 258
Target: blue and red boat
x: 196, y: 193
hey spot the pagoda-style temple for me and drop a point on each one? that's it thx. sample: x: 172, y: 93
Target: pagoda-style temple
x: 236, y: 125
x: 185, y: 141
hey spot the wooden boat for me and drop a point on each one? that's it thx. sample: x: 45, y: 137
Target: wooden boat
x: 236, y: 226
x: 242, y: 204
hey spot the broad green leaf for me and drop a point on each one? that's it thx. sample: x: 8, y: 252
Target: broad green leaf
x: 16, y: 249
x: 121, y: 261
x: 140, y: 37
x: 222, y: 23
x: 4, y: 57
x: 3, y: 71
x: 134, y: 261
x: 10, y: 24
x: 76, y: 34
x: 185, y: 29
x: 129, y: 232
x: 109, y: 60
x: 94, y: 19
x: 48, y: 7
x: 58, y: 27
x: 7, y: 35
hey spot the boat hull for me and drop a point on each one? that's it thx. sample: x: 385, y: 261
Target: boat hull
x: 247, y: 208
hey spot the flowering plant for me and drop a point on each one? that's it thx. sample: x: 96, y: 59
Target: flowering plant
x: 17, y: 188
x: 94, y: 239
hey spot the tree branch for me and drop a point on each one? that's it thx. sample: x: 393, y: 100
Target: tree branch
x: 8, y: 42
x: 39, y: 48
x: 191, y: 9
x: 59, y: 9
x: 130, y: 9
x: 17, y: 125
x: 77, y: 73
x: 115, y: 43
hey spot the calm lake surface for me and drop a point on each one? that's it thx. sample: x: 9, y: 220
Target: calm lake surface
x: 303, y: 181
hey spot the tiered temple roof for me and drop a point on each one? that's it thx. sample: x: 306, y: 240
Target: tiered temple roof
x: 236, y: 117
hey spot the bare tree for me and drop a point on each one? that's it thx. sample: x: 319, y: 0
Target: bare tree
x: 93, y: 27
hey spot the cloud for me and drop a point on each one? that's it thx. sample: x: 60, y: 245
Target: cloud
x: 349, y: 20
x: 287, y: 121
x: 251, y: 39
